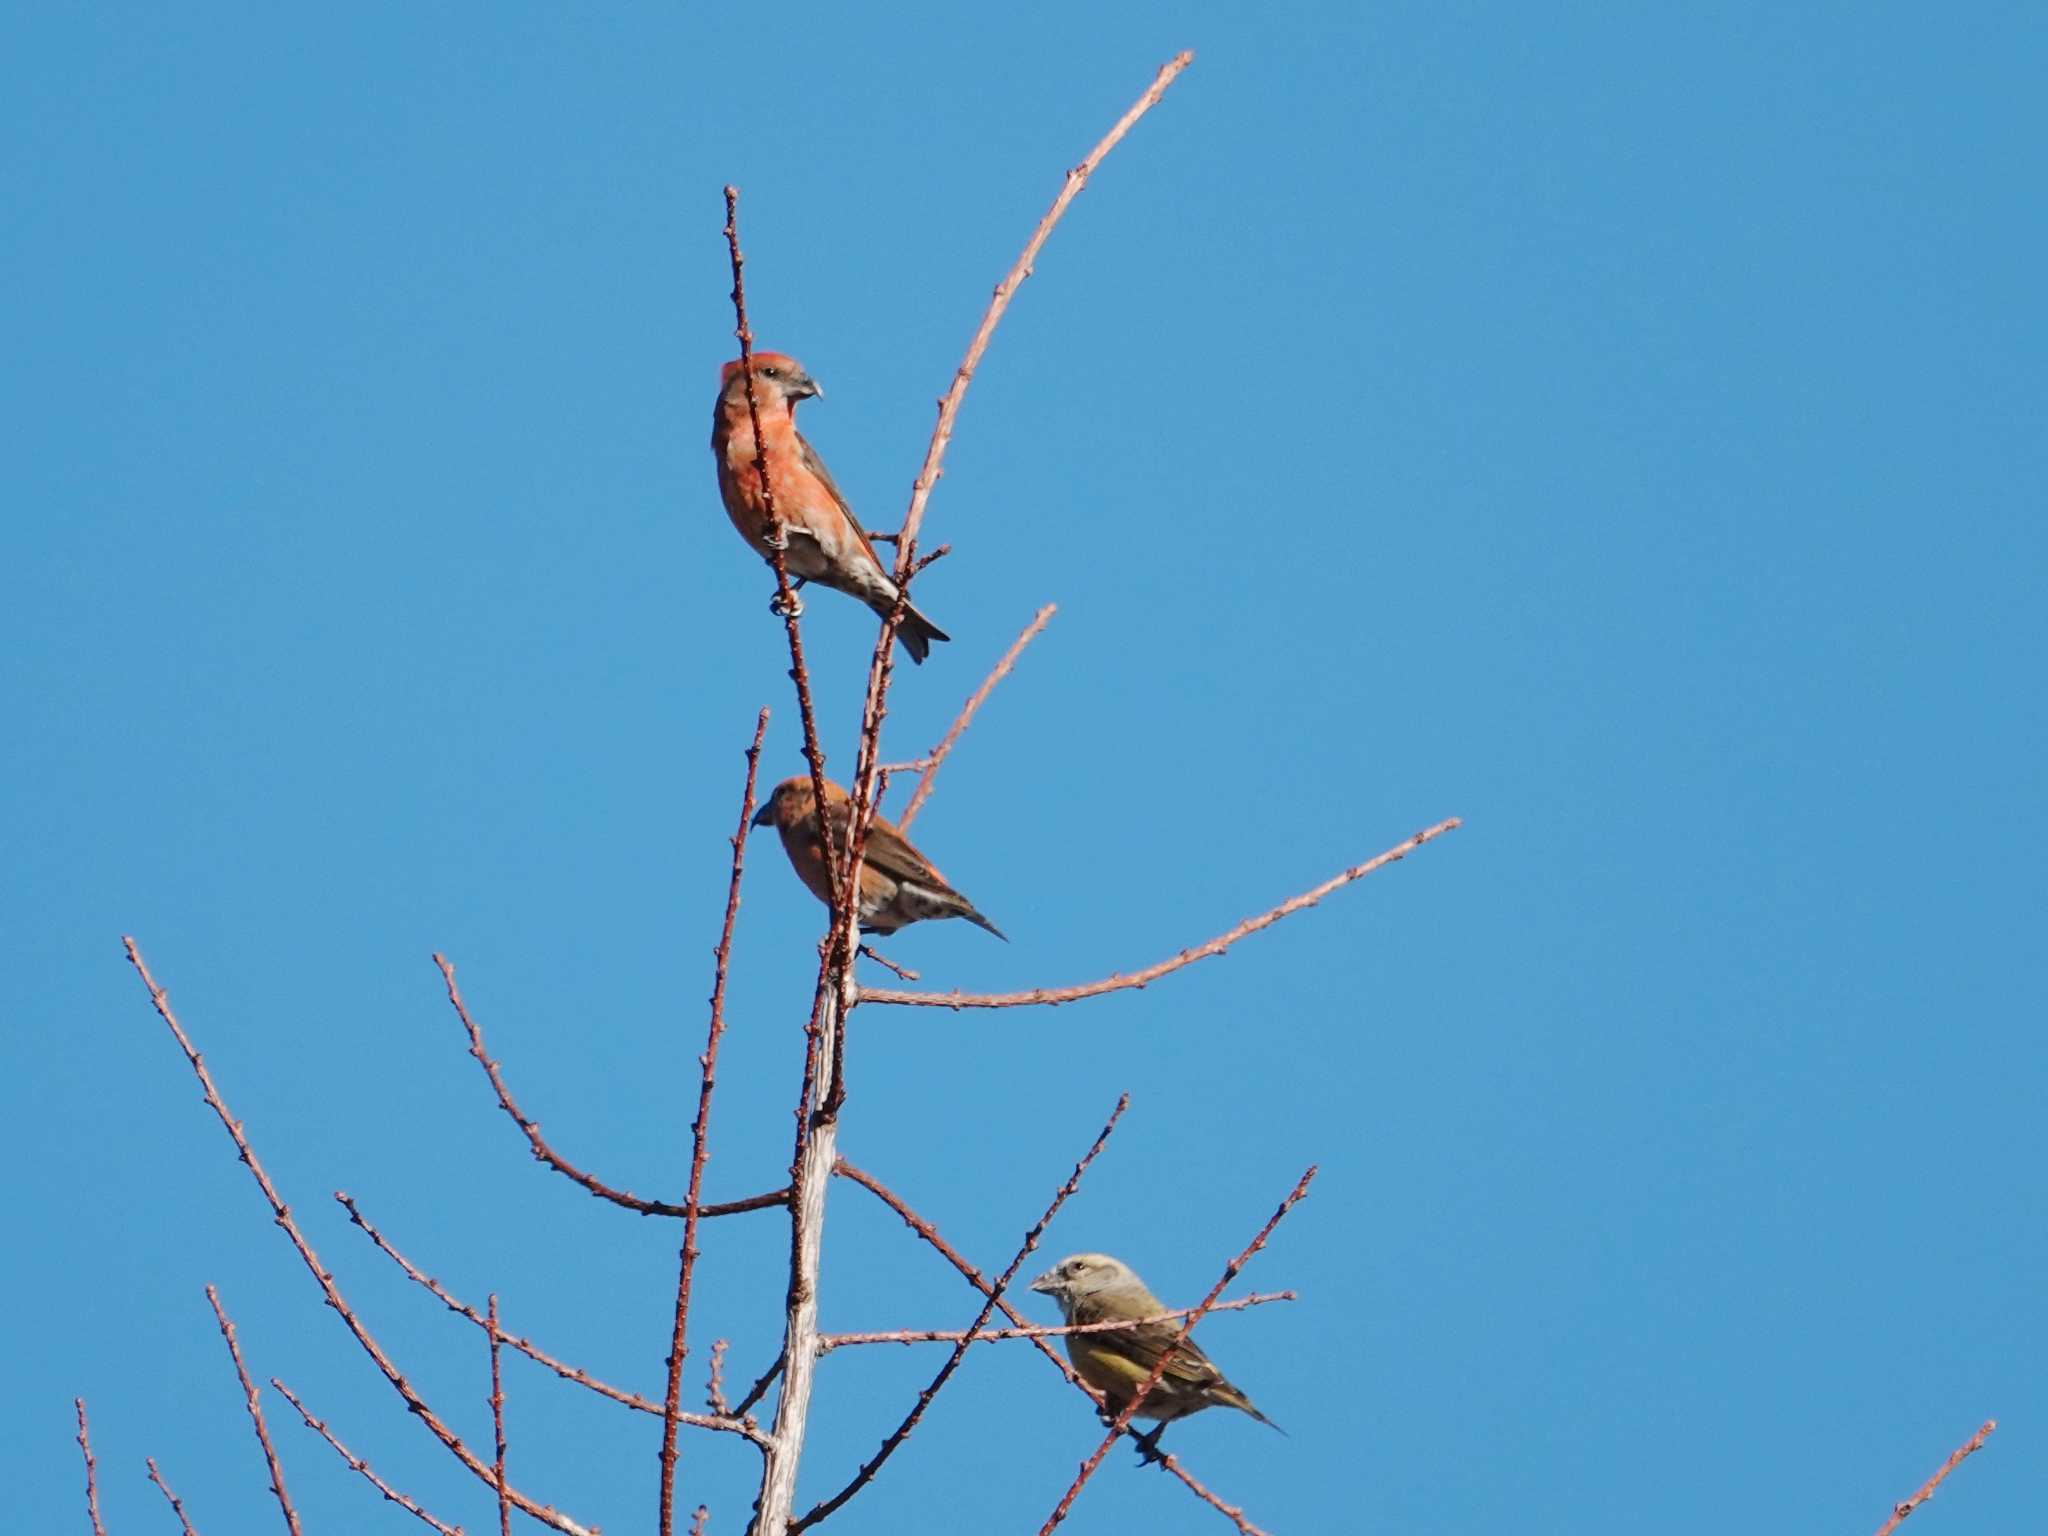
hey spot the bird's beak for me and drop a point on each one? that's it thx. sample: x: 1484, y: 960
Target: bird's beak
x: 1043, y: 1284
x: 766, y: 815
x: 806, y: 388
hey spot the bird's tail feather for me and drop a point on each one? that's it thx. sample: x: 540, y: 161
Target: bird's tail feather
x: 979, y: 921
x: 916, y: 631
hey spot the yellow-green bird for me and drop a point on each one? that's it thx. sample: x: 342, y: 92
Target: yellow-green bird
x: 1095, y: 1288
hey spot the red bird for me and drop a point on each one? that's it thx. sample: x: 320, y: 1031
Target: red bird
x: 826, y: 544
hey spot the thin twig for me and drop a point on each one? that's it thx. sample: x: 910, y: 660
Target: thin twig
x: 281, y: 1213
x: 759, y: 1389
x: 866, y: 790
x: 185, y: 1527
x: 951, y: 1255
x: 897, y: 1436
x: 827, y: 1342
x: 817, y: 1100
x: 698, y: 1521
x: 777, y: 537
x: 498, y: 1420
x: 700, y: 1144
x: 361, y: 1467
x: 1187, y: 957
x: 823, y: 1089
x: 973, y: 1276
x: 544, y: 1153
x: 92, y: 1485
x: 886, y: 963
x: 1137, y: 1400
x: 937, y: 755
x: 949, y: 403
x: 714, y: 1392
x: 1969, y: 1447
x: 249, y: 1400
x: 527, y: 1347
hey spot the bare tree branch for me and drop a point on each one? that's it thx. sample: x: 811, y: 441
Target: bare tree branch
x: 281, y: 1213
x: 714, y: 1391
x: 949, y: 403
x: 823, y: 1088
x: 498, y: 1420
x: 249, y: 1399
x: 1137, y: 1401
x: 544, y: 1153
x: 902, y: 1431
x: 1968, y: 1448
x: 362, y: 1468
x: 1151, y: 973
x: 778, y: 539
x: 827, y: 1342
x: 979, y: 697
x: 700, y: 1145
x: 185, y: 1527
x: 527, y: 1347
x: 760, y: 1388
x: 866, y: 788
x: 92, y: 1485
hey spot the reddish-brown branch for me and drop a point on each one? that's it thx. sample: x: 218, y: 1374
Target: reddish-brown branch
x: 827, y: 1342
x: 249, y: 1400
x: 1123, y: 1419
x: 498, y: 1419
x: 92, y: 1483
x: 887, y: 964
x: 527, y: 1347
x: 979, y: 697
x: 700, y: 1144
x: 951, y: 1255
x: 949, y: 403
x: 281, y: 1214
x: 1187, y: 957
x: 185, y: 1527
x: 924, y: 1399
x: 362, y: 1468
x: 866, y: 791
x: 973, y: 1276
x: 1969, y: 1447
x: 778, y: 540
x: 544, y: 1153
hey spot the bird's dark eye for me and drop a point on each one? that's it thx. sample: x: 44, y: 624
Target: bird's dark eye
x: 773, y: 373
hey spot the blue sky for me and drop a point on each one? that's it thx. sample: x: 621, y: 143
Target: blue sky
x: 1618, y: 427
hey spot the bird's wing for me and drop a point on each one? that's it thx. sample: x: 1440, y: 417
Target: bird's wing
x: 886, y: 850
x: 1138, y: 1350
x: 894, y: 857
x: 816, y: 466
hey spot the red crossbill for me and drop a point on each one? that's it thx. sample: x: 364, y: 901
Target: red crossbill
x: 897, y: 883
x: 825, y: 542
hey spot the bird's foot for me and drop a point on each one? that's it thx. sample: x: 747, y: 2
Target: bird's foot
x: 1149, y: 1454
x: 791, y: 607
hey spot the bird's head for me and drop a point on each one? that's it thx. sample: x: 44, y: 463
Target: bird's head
x: 777, y: 377
x: 793, y: 803
x: 1086, y: 1274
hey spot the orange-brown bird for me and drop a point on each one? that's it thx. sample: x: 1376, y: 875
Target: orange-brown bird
x: 1095, y: 1288
x: 897, y: 883
x: 826, y: 543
